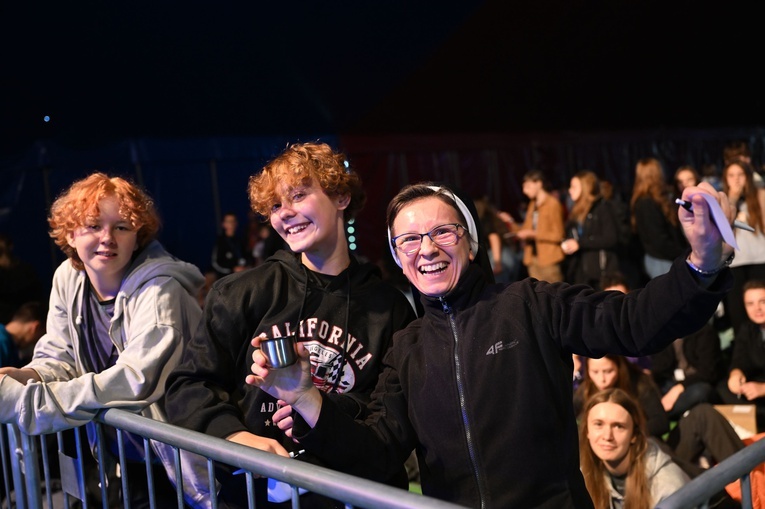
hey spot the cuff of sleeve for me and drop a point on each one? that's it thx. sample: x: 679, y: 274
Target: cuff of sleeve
x: 302, y: 431
x: 10, y: 391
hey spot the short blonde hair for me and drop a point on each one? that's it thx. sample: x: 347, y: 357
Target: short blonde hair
x: 299, y: 165
x: 80, y: 202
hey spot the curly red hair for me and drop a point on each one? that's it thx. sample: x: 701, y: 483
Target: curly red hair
x: 80, y: 202
x: 299, y: 165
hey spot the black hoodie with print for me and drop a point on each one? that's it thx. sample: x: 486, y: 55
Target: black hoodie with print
x: 345, y: 321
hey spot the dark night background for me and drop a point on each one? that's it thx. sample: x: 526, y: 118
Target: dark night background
x: 393, y: 76
x: 105, y: 70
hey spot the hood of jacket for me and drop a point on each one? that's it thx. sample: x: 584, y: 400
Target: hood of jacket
x: 471, y: 284
x: 154, y: 261
x: 363, y: 275
x: 151, y: 262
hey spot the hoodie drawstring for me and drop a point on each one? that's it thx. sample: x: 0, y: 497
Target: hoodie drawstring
x: 347, y: 319
x: 347, y: 332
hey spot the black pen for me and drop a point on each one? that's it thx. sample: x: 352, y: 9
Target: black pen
x: 736, y: 224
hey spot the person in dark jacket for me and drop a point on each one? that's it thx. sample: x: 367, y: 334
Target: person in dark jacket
x: 592, y: 233
x: 688, y: 370
x: 654, y: 218
x: 338, y: 308
x: 480, y: 386
x: 229, y: 254
x: 746, y: 375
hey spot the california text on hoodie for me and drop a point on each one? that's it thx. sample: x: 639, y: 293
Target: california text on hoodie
x: 481, y: 386
x: 156, y: 306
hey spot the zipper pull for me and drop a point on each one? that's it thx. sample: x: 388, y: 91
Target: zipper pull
x: 445, y: 305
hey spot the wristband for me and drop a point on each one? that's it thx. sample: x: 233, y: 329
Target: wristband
x: 712, y: 272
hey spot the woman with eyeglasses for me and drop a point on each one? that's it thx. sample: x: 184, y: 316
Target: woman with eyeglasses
x: 480, y: 386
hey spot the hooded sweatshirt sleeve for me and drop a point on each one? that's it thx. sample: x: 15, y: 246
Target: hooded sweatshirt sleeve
x: 152, y: 321
x: 209, y: 374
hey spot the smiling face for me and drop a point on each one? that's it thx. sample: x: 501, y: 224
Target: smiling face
x: 105, y: 244
x: 603, y: 372
x: 754, y: 302
x: 433, y: 270
x: 610, y: 432
x: 310, y: 222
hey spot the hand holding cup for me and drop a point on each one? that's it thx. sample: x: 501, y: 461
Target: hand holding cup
x: 275, y: 370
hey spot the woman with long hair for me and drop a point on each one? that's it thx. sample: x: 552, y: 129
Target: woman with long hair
x: 702, y: 430
x: 592, y: 232
x: 749, y: 264
x: 654, y: 218
x: 620, y: 465
x: 615, y: 371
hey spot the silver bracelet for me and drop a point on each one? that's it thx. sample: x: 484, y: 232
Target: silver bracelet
x: 712, y: 272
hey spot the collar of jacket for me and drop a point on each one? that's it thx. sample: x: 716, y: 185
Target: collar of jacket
x: 470, y: 285
x: 357, y: 272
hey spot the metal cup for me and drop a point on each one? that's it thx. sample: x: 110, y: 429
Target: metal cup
x: 280, y: 352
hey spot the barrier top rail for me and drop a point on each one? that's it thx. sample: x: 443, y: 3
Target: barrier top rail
x: 350, y: 489
x: 705, y: 486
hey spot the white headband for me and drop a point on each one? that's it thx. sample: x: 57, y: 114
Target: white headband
x: 472, y: 230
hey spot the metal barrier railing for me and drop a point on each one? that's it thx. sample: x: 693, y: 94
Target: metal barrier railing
x: 23, y: 454
x: 697, y: 492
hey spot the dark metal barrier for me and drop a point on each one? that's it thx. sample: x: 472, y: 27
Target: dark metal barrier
x: 702, y: 488
x: 22, y: 456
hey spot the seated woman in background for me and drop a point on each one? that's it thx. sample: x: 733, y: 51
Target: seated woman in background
x: 621, y: 466
x: 615, y: 371
x: 702, y: 430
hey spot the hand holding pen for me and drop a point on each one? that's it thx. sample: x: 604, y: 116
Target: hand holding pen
x: 708, y: 228
x: 736, y: 224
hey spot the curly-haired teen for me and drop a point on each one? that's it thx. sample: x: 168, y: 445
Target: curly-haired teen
x: 119, y: 306
x: 339, y: 308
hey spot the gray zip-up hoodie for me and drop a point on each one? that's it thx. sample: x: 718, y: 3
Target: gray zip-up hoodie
x: 155, y: 308
x: 664, y: 477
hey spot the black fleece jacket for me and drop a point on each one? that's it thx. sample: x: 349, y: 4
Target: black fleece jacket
x: 481, y: 386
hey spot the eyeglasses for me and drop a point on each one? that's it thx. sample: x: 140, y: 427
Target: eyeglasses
x: 443, y: 235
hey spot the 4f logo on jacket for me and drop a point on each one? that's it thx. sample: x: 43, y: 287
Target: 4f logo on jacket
x: 499, y: 346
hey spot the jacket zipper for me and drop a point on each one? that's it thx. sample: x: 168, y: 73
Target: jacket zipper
x: 461, y: 392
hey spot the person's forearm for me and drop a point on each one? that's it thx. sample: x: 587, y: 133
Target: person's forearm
x: 21, y: 375
x: 309, y: 406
